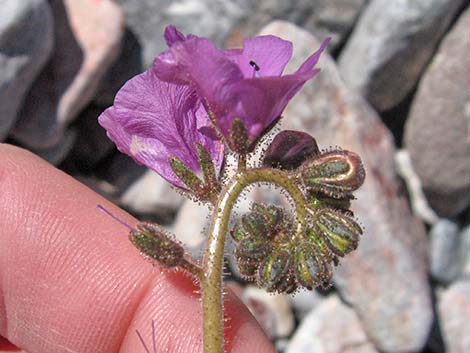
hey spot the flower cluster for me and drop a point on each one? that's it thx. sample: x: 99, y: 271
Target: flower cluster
x: 196, y: 98
x: 267, y: 249
x: 197, y: 101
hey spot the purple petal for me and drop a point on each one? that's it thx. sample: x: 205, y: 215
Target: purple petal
x: 229, y: 85
x: 310, y: 63
x: 172, y: 35
x: 262, y: 100
x: 198, y: 62
x: 264, y: 56
x: 153, y: 120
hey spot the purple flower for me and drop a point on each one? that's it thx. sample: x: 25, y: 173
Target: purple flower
x: 153, y: 121
x: 239, y: 83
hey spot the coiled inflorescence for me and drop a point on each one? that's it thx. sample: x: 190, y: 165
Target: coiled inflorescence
x: 269, y: 250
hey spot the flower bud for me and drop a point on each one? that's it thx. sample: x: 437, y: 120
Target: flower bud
x: 262, y: 221
x: 271, y: 217
x: 289, y: 149
x: 252, y: 249
x: 340, y: 232
x: 335, y: 173
x: 318, y: 201
x: 247, y: 268
x: 275, y: 275
x: 157, y: 244
x: 312, y: 267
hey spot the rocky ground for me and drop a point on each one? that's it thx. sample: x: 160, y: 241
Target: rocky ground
x: 395, y: 88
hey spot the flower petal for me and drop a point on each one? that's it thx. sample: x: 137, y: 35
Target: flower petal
x: 152, y: 120
x: 172, y: 35
x: 262, y: 100
x: 264, y: 56
x: 311, y: 61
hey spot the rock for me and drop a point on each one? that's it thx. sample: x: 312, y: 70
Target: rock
x: 148, y: 18
x: 120, y: 171
x: 419, y: 203
x: 437, y: 130
x: 150, y: 194
x: 88, y: 35
x: 385, y: 279
x: 391, y: 45
x: 191, y: 225
x: 448, y: 251
x: 58, y: 152
x: 465, y: 251
x: 272, y: 311
x: 454, y: 311
x: 323, y: 18
x: 331, y: 327
x: 92, y: 144
x: 26, y: 38
x: 304, y: 301
x: 126, y: 66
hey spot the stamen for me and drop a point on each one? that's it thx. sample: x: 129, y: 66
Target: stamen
x: 254, y: 65
x: 256, y: 68
x: 142, y: 341
x: 153, y: 337
x: 101, y: 208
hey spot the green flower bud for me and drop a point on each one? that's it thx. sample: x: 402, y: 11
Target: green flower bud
x: 340, y: 232
x: 271, y: 216
x: 252, y: 249
x: 157, y: 244
x: 312, y: 268
x: 262, y: 221
x: 248, y: 268
x: 275, y: 274
x: 318, y: 201
x: 335, y: 173
x: 253, y: 224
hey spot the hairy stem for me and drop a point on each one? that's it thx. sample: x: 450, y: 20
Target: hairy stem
x: 213, y: 258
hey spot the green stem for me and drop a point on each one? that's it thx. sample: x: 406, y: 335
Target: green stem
x: 211, y: 281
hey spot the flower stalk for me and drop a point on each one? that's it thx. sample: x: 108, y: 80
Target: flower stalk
x: 211, y: 282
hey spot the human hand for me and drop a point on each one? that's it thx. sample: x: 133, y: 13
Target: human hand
x: 70, y: 281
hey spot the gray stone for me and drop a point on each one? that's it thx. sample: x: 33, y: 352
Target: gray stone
x: 191, y: 225
x: 148, y: 18
x: 126, y: 66
x: 437, y: 130
x: 87, y: 41
x: 150, y: 194
x: 331, y: 327
x: 323, y: 18
x: 448, y: 251
x: 304, y: 301
x: 272, y: 311
x: 92, y: 144
x: 391, y: 45
x: 465, y: 251
x: 58, y: 152
x: 385, y: 279
x: 418, y: 201
x: 454, y: 311
x: 26, y: 38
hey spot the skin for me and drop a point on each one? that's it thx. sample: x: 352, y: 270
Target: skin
x: 70, y: 281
